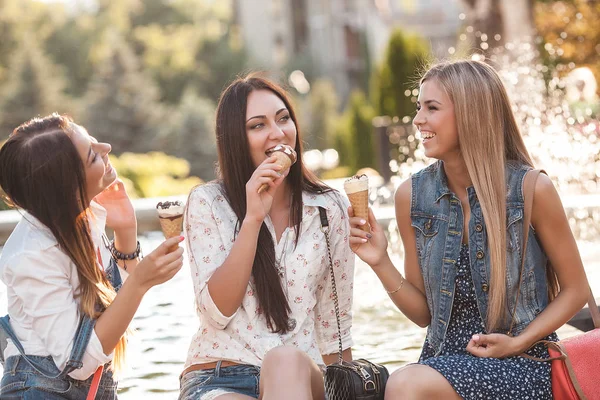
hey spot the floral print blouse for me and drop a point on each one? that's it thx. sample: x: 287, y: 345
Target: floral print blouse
x: 244, y: 337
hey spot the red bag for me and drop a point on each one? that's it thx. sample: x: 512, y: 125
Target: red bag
x: 576, y: 363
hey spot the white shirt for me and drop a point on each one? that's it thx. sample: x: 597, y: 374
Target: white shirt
x: 42, y: 283
x: 244, y: 337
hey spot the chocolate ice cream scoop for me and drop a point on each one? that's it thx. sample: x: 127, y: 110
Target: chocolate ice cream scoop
x: 286, y: 157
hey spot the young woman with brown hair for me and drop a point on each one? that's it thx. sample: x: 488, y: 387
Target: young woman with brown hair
x: 66, y: 318
x: 461, y: 224
x: 259, y: 260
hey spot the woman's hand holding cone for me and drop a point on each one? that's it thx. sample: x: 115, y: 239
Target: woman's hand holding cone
x: 160, y: 265
x: 258, y: 204
x: 371, y: 247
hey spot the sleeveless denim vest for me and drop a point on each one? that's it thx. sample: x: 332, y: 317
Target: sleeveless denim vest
x: 437, y: 217
x: 38, y: 377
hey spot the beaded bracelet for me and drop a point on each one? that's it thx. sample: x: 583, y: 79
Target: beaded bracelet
x: 122, y: 256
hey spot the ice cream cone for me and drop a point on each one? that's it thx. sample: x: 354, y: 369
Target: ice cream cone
x: 357, y: 190
x: 170, y: 216
x: 286, y: 157
x: 171, y: 227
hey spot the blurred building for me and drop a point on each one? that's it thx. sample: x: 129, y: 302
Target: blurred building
x: 337, y: 39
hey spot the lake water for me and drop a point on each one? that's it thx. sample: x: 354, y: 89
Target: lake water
x: 166, y: 321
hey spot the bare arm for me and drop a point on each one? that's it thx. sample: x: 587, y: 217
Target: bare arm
x: 156, y: 268
x: 410, y: 298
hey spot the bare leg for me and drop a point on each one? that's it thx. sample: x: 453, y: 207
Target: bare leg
x: 234, y: 396
x: 289, y: 373
x: 416, y: 382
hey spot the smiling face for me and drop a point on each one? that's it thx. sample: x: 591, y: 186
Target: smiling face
x: 268, y: 123
x: 436, y: 122
x: 99, y: 174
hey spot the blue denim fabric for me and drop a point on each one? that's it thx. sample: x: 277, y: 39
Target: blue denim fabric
x: 36, y: 377
x: 22, y: 380
x: 240, y: 379
x: 437, y: 216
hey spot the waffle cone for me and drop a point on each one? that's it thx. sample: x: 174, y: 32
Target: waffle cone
x: 284, y: 161
x: 171, y: 227
x: 360, y: 206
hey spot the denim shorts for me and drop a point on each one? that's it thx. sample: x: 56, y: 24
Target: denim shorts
x: 209, y: 383
x: 21, y: 381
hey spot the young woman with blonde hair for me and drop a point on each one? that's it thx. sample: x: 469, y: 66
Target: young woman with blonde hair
x: 461, y: 224
x: 65, y: 317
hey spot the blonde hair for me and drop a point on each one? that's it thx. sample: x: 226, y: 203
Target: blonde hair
x: 488, y: 137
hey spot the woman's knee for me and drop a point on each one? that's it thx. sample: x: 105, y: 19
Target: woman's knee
x: 418, y: 382
x: 288, y: 357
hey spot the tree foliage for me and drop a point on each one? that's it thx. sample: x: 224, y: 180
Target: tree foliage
x: 398, y: 73
x: 34, y: 87
x: 122, y: 103
x: 355, y: 138
x: 570, y: 29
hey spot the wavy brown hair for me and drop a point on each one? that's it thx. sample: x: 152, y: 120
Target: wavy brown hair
x: 488, y: 137
x: 236, y: 168
x: 42, y: 173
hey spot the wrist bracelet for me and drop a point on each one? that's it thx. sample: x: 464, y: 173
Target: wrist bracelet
x: 399, y: 287
x: 123, y: 256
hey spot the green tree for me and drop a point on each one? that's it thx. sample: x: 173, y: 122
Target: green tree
x: 191, y: 135
x: 392, y: 83
x: 34, y: 88
x: 355, y: 142
x: 122, y: 103
x: 70, y: 46
x: 324, y: 105
x: 189, y: 42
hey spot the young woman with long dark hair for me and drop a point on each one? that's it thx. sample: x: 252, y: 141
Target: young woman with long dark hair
x: 66, y: 318
x: 259, y: 260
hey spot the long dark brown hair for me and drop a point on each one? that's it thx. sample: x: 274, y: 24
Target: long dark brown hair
x: 42, y: 173
x: 235, y: 170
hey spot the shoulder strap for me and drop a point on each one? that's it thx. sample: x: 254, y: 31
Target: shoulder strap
x: 82, y: 338
x: 325, y: 229
x: 528, y: 192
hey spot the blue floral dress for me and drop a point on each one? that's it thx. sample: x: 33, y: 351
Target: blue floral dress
x: 484, y: 378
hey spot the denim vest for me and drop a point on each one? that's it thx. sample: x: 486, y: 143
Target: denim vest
x: 40, y: 377
x: 437, y: 217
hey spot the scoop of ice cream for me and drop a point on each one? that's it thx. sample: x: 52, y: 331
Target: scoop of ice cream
x: 357, y: 183
x: 286, y: 157
x: 169, y: 209
x: 284, y: 148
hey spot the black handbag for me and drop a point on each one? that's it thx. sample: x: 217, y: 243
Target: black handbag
x: 356, y: 379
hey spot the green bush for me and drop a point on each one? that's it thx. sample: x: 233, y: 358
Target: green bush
x: 398, y: 73
x: 354, y: 139
x: 154, y: 174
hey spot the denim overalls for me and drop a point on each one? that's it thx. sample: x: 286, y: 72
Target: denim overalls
x: 37, y: 377
x: 437, y: 217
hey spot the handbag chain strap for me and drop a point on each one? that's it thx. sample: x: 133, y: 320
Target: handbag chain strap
x: 336, y: 303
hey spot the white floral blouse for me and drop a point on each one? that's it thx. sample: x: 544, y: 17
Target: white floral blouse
x: 244, y: 337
